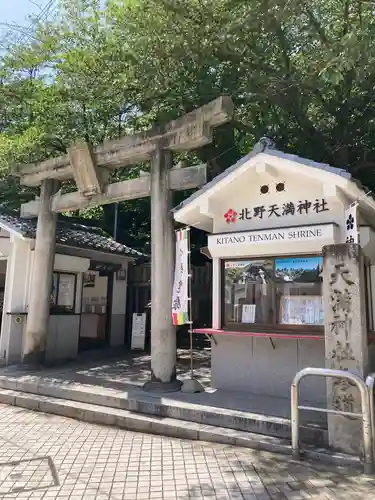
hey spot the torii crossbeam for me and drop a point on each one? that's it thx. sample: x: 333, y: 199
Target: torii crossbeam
x: 89, y: 167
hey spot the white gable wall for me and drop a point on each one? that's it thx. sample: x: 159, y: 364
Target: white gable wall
x: 240, y: 190
x: 244, y: 192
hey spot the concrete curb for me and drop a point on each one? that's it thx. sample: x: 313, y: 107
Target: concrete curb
x: 162, y: 406
x: 170, y: 427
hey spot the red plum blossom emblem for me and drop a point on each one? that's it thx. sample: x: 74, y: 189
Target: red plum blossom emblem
x: 230, y: 216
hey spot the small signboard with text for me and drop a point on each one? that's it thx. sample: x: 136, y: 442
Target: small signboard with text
x: 272, y: 241
x: 351, y: 228
x: 138, y: 331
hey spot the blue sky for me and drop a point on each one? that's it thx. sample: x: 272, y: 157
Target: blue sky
x: 16, y: 11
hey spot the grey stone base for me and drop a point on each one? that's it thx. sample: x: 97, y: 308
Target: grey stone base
x: 192, y: 386
x: 155, y: 386
x: 34, y: 360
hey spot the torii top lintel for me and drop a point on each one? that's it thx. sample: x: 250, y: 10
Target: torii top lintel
x: 188, y: 132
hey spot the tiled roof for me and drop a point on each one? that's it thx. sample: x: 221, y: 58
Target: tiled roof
x: 70, y: 234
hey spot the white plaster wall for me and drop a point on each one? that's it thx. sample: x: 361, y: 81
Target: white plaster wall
x: 62, y: 263
x: 117, y: 334
x: 89, y: 326
x: 96, y: 294
x: 70, y: 263
x: 63, y: 336
x: 5, y: 246
x: 216, y: 293
x: 245, y: 192
x: 251, y: 364
x: 15, y: 300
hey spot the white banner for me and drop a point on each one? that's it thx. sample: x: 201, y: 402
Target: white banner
x: 180, y: 302
x: 351, y: 228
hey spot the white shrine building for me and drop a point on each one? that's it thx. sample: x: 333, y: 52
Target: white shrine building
x: 88, y: 300
x: 268, y: 218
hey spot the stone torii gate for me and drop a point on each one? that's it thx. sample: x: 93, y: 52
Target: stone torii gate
x: 90, y: 169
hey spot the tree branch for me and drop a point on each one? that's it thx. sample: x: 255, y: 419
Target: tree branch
x: 318, y: 27
x: 346, y: 18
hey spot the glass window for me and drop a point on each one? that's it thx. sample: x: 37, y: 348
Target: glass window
x: 271, y: 291
x: 299, y: 291
x: 63, y: 292
x: 249, y: 291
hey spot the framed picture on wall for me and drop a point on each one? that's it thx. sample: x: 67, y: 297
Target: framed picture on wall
x: 66, y: 290
x: 301, y: 310
x: 63, y: 292
x: 89, y: 280
x: 121, y: 275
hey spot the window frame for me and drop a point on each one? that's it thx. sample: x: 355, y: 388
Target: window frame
x: 55, y: 308
x: 264, y: 327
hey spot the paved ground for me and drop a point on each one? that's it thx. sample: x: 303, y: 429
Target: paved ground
x: 66, y: 459
x: 117, y: 367
x: 128, y: 371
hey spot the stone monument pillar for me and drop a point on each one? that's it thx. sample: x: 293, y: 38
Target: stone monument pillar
x: 345, y: 339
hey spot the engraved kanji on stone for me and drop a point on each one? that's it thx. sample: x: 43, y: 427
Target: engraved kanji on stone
x: 341, y: 270
x: 341, y: 302
x: 342, y: 400
x: 342, y: 352
x: 343, y: 384
x: 338, y: 325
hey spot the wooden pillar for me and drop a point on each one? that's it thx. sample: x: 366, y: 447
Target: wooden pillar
x: 163, y: 333
x: 346, y: 346
x: 35, y: 336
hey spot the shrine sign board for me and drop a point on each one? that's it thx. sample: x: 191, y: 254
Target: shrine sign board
x: 271, y: 241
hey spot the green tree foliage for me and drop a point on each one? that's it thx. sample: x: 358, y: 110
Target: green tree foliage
x: 300, y: 71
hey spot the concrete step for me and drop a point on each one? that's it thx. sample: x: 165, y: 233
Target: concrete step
x: 165, y: 426
x: 170, y: 406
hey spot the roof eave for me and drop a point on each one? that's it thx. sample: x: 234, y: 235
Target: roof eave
x: 97, y: 253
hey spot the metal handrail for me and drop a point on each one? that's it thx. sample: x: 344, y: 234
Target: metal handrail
x: 370, y: 382
x: 365, y: 414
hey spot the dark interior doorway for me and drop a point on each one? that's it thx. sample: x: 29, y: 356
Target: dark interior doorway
x: 95, y: 324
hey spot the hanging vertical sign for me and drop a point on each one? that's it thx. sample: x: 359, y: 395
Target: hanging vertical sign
x: 180, y: 301
x: 351, y: 228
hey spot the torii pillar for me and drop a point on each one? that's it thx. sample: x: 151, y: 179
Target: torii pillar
x: 89, y: 168
x: 163, y: 332
x: 34, y: 342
